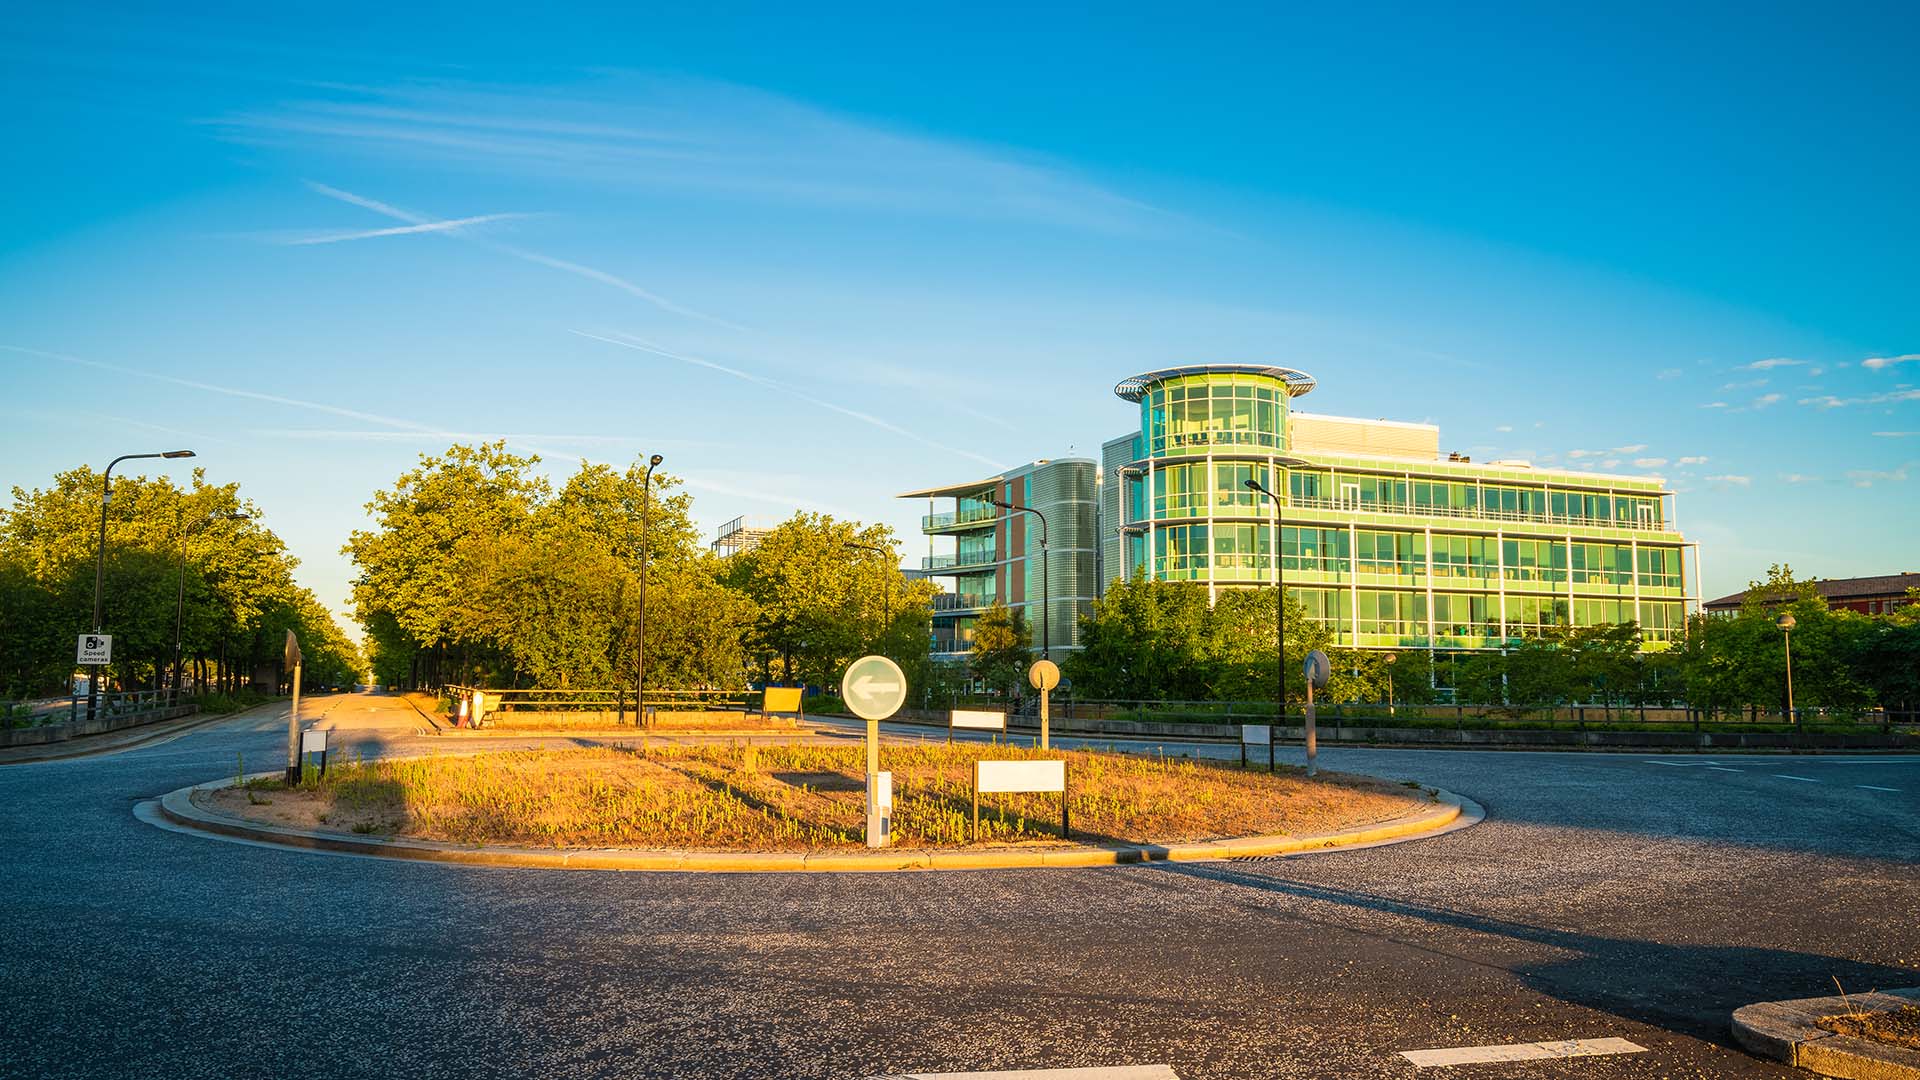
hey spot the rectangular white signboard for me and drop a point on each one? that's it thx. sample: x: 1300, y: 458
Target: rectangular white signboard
x: 980, y: 719
x: 95, y: 649
x: 313, y: 741
x: 1005, y: 776
x: 1256, y: 734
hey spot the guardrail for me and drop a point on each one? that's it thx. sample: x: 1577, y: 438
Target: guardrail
x: 618, y: 700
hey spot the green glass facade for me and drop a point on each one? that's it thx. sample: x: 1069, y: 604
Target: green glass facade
x: 1390, y: 550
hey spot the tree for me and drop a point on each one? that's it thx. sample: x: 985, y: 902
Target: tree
x: 1000, y: 652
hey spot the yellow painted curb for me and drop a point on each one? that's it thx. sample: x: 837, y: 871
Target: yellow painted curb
x: 178, y: 808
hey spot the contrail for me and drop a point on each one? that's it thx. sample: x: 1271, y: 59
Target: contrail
x: 640, y: 345
x: 577, y: 269
x: 403, y: 230
x: 252, y: 395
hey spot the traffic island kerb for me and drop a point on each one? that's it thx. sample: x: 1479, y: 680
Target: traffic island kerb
x: 1448, y: 812
x: 1790, y: 1031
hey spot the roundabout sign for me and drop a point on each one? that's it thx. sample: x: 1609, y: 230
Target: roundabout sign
x: 874, y: 688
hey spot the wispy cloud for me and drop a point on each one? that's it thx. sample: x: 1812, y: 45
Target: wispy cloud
x: 1698, y: 459
x: 627, y: 341
x: 1770, y: 364
x: 1866, y: 478
x: 1897, y: 434
x: 1650, y: 462
x: 1765, y: 400
x: 1795, y: 478
x: 1877, y: 363
x: 1746, y: 384
x: 1714, y: 405
x: 400, y: 230
x: 1829, y: 401
x: 661, y: 134
x: 1503, y: 428
x: 1730, y: 480
x: 1669, y: 373
x: 577, y: 269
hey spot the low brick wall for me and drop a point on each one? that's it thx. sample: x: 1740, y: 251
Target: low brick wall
x: 74, y: 729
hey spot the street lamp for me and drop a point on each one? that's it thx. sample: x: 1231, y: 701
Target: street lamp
x: 180, y: 587
x: 1046, y: 595
x: 1786, y: 623
x: 100, y: 561
x: 640, y: 655
x: 886, y: 623
x: 1279, y: 578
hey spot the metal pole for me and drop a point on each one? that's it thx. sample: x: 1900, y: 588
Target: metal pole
x: 1792, y: 715
x: 1313, y: 741
x: 100, y: 562
x: 640, y: 646
x: 293, y: 731
x: 179, y: 605
x: 1046, y: 592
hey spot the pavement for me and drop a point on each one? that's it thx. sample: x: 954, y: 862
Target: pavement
x: 1608, y: 900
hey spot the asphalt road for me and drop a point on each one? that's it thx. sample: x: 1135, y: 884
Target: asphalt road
x: 1606, y: 895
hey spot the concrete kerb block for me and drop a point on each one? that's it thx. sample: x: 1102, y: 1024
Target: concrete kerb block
x: 1788, y: 1031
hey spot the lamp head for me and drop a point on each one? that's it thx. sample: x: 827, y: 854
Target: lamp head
x: 1251, y: 484
x: 178, y: 454
x: 1786, y: 621
x: 655, y: 461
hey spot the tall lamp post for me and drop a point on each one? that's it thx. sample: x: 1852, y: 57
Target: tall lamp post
x: 640, y: 646
x: 1046, y: 595
x: 1390, y: 658
x: 886, y: 621
x: 1786, y: 624
x: 180, y: 587
x: 1279, y: 579
x: 100, y: 561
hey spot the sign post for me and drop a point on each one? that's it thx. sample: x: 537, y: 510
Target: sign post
x: 1317, y: 668
x: 1044, y: 675
x: 874, y: 688
x: 1254, y: 735
x: 292, y: 658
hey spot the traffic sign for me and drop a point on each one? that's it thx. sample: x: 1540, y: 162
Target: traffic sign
x: 1317, y: 668
x: 291, y: 654
x: 874, y: 688
x: 95, y: 649
x: 1044, y: 675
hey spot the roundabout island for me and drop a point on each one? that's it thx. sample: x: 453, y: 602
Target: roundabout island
x: 754, y: 807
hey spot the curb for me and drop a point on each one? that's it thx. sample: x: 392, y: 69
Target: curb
x: 1786, y: 1031
x: 1453, y: 811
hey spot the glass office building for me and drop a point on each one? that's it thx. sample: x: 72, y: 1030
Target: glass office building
x: 1385, y: 540
x: 987, y: 553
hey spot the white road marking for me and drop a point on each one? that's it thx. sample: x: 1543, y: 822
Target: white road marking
x: 1802, y: 779
x: 1534, y: 1051
x: 1114, y: 1073
x: 1870, y: 787
x: 1675, y: 764
x: 1723, y: 768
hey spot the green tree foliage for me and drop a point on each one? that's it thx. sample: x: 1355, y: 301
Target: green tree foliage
x: 477, y: 570
x: 822, y: 598
x: 232, y: 578
x: 1001, y: 649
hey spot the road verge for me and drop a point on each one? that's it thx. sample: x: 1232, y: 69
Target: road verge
x: 1789, y: 1031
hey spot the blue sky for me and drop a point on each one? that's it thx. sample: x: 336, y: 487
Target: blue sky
x: 819, y: 256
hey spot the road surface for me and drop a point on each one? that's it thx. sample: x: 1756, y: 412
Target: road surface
x: 1607, y: 896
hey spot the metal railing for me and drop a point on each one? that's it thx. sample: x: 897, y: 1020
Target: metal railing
x: 1478, y: 514
x: 1674, y: 716
x: 941, y: 562
x: 619, y: 700
x: 950, y: 518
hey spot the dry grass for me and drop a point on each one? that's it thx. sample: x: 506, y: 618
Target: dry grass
x: 1898, y: 1027
x: 720, y: 797
x: 521, y: 722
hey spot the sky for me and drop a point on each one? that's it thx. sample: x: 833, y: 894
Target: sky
x: 816, y: 256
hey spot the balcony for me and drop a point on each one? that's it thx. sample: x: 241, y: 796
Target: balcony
x: 954, y: 602
x: 971, y: 518
x: 941, y: 564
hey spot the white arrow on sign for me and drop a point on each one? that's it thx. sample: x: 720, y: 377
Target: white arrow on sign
x: 874, y: 688
x: 865, y: 687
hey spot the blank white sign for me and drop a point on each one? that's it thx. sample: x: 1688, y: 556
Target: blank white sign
x: 1256, y: 734
x: 313, y: 741
x: 1002, y: 776
x: 979, y: 718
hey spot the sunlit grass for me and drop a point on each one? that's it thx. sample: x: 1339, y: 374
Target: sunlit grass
x: 733, y: 797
